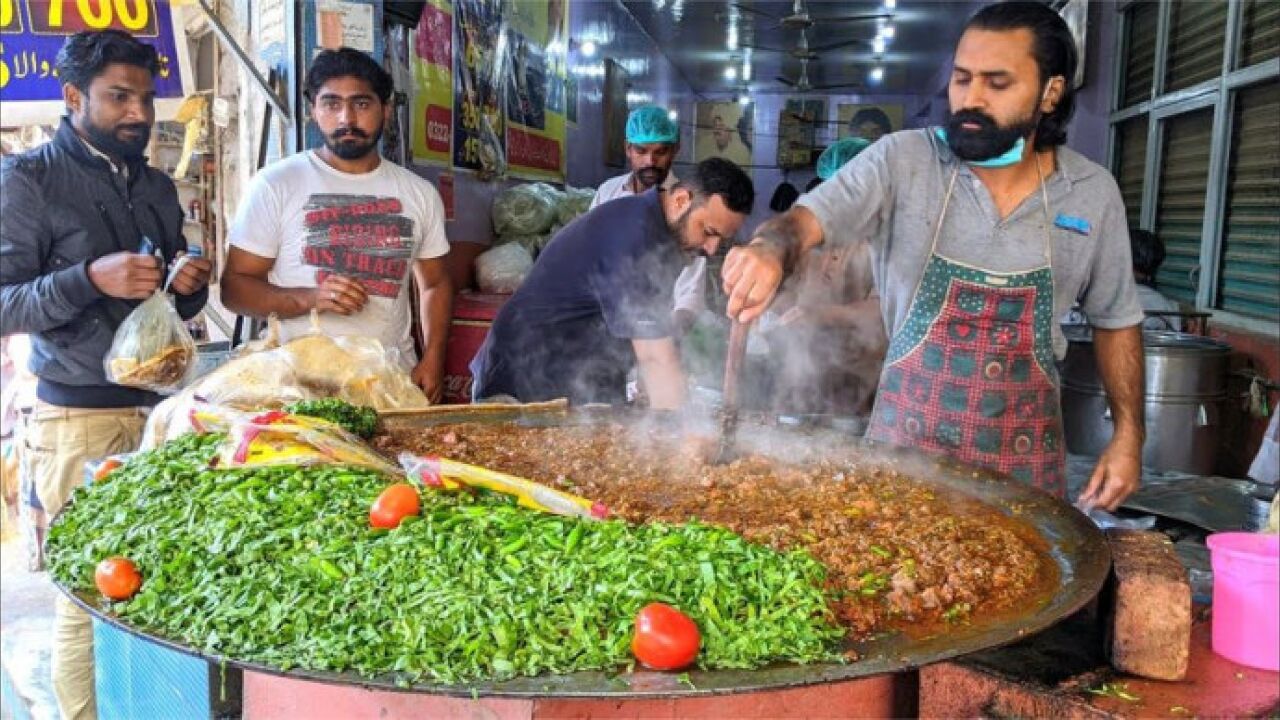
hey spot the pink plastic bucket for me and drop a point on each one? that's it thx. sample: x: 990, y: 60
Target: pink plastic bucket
x: 1246, y: 598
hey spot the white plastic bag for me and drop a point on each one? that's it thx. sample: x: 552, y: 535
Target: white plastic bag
x: 152, y: 348
x: 501, y: 269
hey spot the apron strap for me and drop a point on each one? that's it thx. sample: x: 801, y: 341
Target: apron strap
x: 1048, y: 224
x: 946, y: 200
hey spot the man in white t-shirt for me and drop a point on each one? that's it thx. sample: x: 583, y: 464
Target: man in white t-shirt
x: 653, y: 140
x: 340, y: 230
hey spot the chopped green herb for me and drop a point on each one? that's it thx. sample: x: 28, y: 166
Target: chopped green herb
x: 279, y: 566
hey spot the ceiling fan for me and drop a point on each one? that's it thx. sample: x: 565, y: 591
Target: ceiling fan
x: 801, y: 19
x: 802, y: 84
x: 804, y: 51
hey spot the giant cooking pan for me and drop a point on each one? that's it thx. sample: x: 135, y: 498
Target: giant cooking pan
x: 1075, y: 544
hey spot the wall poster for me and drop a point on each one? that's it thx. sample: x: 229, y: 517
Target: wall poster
x: 433, y: 85
x: 490, y: 87
x: 33, y: 31
x: 724, y: 129
x: 870, y: 122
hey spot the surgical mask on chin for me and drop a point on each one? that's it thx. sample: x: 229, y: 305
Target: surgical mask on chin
x: 1010, y: 157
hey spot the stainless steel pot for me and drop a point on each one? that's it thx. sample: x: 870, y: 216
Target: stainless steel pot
x: 1186, y: 385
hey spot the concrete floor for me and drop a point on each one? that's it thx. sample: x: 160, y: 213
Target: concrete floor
x: 26, y: 632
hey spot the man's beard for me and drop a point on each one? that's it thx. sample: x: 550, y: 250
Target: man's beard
x: 651, y: 177
x: 990, y: 140
x: 107, y: 140
x: 352, y: 150
x: 680, y: 228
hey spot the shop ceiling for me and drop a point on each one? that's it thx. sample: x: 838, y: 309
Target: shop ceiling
x: 883, y: 47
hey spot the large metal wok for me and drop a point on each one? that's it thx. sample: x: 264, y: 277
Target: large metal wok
x: 1077, y: 546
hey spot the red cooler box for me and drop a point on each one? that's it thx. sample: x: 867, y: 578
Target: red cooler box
x: 473, y: 313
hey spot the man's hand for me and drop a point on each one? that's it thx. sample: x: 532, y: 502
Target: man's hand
x: 125, y: 275
x: 340, y: 295
x: 428, y: 376
x: 192, y: 276
x: 1115, y: 477
x: 751, y: 278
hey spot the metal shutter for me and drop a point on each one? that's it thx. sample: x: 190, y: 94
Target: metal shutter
x: 1198, y: 33
x: 1184, y: 175
x: 1250, y: 282
x: 1131, y: 161
x: 1260, y: 38
x: 1140, y: 65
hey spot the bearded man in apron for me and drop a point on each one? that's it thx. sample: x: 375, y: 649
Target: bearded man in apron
x: 984, y: 232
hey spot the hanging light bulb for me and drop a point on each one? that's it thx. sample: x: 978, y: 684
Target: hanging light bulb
x: 877, y: 74
x: 890, y: 4
x: 743, y: 99
x: 731, y: 73
x: 588, y: 48
x: 877, y: 46
x: 673, y: 115
x: 887, y: 32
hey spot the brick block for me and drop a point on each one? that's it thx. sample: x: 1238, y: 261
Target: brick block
x: 1150, y: 626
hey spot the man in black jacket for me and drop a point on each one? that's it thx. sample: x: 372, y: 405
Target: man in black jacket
x: 75, y: 215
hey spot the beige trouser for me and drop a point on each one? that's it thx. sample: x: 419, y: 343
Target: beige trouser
x: 59, y: 441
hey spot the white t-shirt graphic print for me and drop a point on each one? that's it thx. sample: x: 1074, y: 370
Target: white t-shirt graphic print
x: 317, y: 221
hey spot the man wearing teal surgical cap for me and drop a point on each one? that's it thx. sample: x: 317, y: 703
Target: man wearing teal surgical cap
x: 653, y: 139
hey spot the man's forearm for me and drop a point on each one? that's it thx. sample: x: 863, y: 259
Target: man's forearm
x: 789, y: 235
x: 255, y: 297
x: 435, y: 307
x: 659, y: 364
x: 1121, y: 364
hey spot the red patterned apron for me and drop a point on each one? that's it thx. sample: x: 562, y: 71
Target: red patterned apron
x: 971, y: 373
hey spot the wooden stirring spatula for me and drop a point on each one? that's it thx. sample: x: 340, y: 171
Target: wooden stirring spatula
x: 729, y: 406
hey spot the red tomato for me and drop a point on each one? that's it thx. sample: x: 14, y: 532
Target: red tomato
x: 665, y: 639
x: 396, y: 503
x: 117, y: 578
x: 105, y: 468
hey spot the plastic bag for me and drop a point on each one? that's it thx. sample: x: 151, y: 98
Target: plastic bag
x: 532, y: 243
x: 152, y: 348
x: 528, y: 209
x: 575, y: 202
x: 501, y: 269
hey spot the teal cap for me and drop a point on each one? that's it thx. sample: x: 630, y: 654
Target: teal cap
x: 651, y: 124
x: 838, y: 153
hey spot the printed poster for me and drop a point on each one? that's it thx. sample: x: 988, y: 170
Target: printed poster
x: 433, y: 76
x: 797, y: 131
x: 479, y: 127
x: 725, y: 129
x: 32, y: 32
x: 345, y: 24
x: 870, y: 122
x: 535, y: 91
x: 492, y: 95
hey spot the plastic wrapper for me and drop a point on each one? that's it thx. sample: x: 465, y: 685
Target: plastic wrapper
x: 529, y: 209
x: 279, y: 438
x: 501, y: 269
x: 152, y: 349
x: 449, y: 474
x: 358, y: 370
x: 575, y: 202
